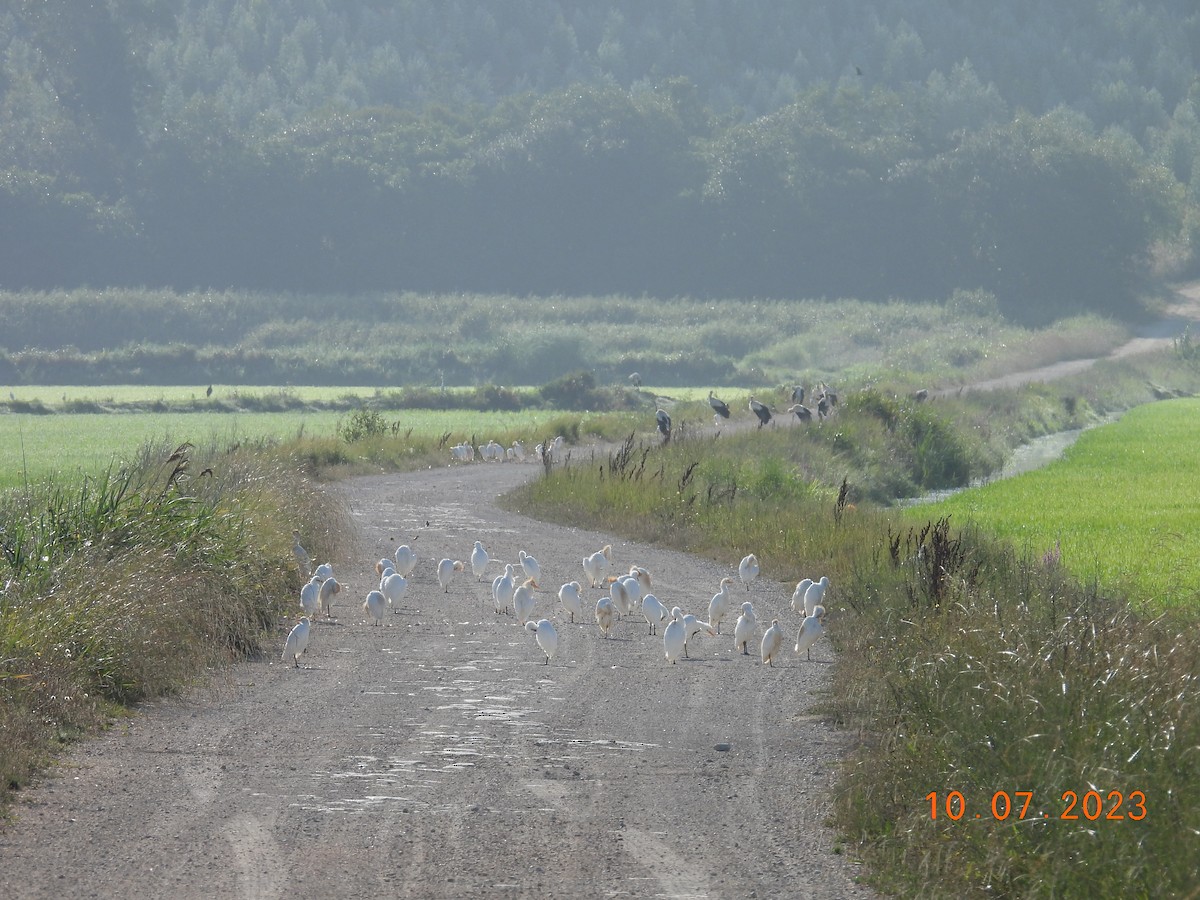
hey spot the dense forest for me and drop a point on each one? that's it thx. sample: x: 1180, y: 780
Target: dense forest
x: 1043, y: 152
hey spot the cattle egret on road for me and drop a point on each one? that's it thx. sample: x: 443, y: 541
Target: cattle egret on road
x: 547, y: 637
x: 329, y: 589
x: 503, y: 588
x: 798, y: 595
x: 743, y: 630
x: 674, y: 636
x: 523, y: 601
x: 445, y: 572
x: 394, y: 587
x: 375, y: 606
x: 748, y: 569
x: 597, y: 564
x: 406, y: 560
x: 568, y: 596
x: 718, y: 607
x: 310, y: 597
x: 479, y: 561
x: 606, y: 614
x: 654, y: 611
x: 533, y: 571
x: 297, y: 641
x: 772, y: 642
x: 815, y: 595
x: 302, y: 558
x: 810, y: 630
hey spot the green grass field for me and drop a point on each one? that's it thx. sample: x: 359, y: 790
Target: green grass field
x: 66, y: 447
x: 1121, y: 504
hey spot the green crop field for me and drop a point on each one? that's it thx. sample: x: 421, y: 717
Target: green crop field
x: 1121, y: 504
x: 66, y: 447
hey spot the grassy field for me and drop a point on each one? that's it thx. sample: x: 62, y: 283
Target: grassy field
x: 1119, y: 508
x: 65, y: 447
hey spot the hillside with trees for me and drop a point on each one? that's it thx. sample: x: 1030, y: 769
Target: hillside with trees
x: 1045, y: 153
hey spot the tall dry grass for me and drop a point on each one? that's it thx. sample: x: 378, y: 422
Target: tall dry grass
x: 132, y: 584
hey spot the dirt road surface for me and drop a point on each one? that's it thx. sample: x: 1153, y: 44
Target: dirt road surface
x: 437, y: 756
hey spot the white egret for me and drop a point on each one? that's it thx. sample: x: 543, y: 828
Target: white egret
x: 772, y: 642
x: 524, y: 600
x: 297, y: 641
x: 323, y: 571
x: 718, y: 607
x: 654, y: 611
x: 815, y: 595
x: 674, y: 636
x: 533, y: 571
x: 547, y: 636
x: 406, y: 560
x: 569, y: 597
x: 810, y: 629
x: 606, y: 614
x: 479, y: 561
x: 748, y: 569
x: 302, y: 557
x: 310, y: 596
x: 693, y: 627
x: 394, y: 587
x: 798, y: 595
x: 619, y: 591
x: 445, y: 572
x: 597, y: 564
x: 375, y: 606
x: 503, y: 588
x: 329, y: 589
x: 743, y: 630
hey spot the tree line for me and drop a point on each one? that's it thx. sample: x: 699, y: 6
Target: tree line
x: 123, y: 170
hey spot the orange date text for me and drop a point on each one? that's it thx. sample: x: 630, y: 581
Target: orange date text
x: 1113, y: 806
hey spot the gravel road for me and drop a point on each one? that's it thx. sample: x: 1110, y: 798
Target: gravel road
x: 436, y: 756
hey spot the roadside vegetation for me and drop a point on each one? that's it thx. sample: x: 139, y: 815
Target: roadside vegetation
x: 136, y: 581
x: 966, y: 662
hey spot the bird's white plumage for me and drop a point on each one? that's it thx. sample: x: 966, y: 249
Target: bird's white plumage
x: 743, y: 629
x: 375, y: 606
x: 619, y: 592
x: 772, y: 642
x: 654, y: 611
x: 675, y: 636
x: 406, y: 560
x: 597, y: 564
x: 323, y: 571
x: 524, y: 601
x: 503, y: 587
x: 479, y: 560
x: 569, y: 595
x: 547, y: 636
x: 692, y: 629
x: 310, y: 597
x: 606, y: 614
x: 815, y: 595
x: 748, y: 569
x: 810, y: 629
x: 445, y: 572
x: 394, y: 587
x: 718, y: 607
x: 798, y: 595
x: 297, y: 641
x: 330, y: 588
x: 533, y: 570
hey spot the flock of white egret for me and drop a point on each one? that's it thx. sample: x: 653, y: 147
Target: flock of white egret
x: 514, y: 592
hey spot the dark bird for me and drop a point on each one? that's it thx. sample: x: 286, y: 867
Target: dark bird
x: 824, y: 407
x: 635, y: 379
x: 858, y: 71
x: 798, y: 394
x: 208, y: 393
x: 921, y: 395
x: 664, y: 424
x: 803, y: 413
x: 761, y: 410
x: 718, y: 406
